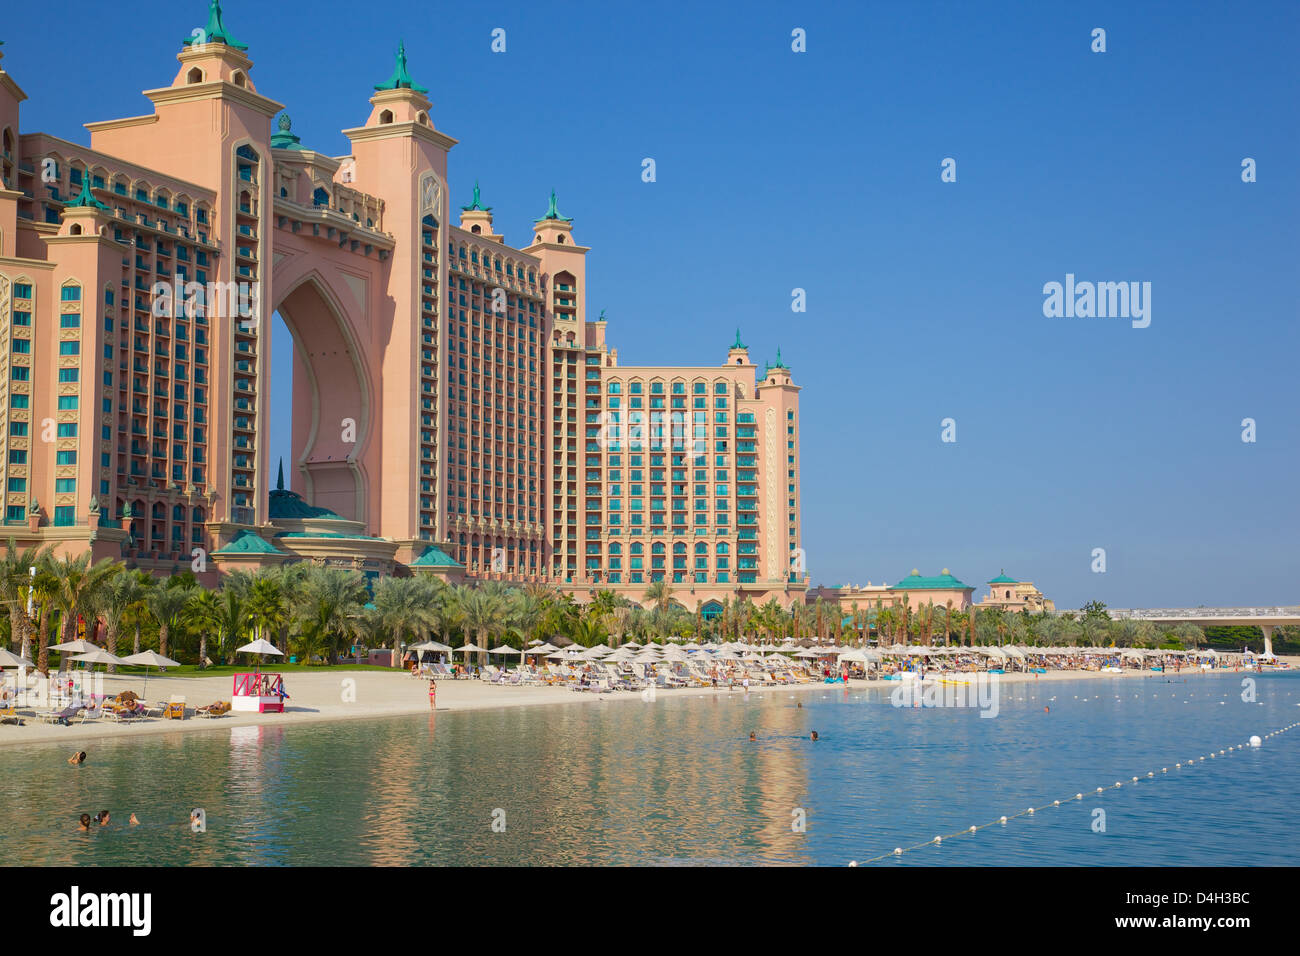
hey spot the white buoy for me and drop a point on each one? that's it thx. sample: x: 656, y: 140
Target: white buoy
x: 1135, y: 779
x: 1255, y: 741
x: 1004, y: 820
x: 972, y: 829
x: 853, y: 862
x: 1078, y: 796
x: 1099, y: 789
x: 1056, y: 803
x: 898, y: 851
x: 1029, y: 810
x: 1151, y: 773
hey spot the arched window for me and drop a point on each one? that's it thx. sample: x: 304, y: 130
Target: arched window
x: 320, y: 197
x: 194, y: 76
x: 240, y: 79
x: 385, y: 117
x: 422, y: 118
x: 560, y: 240
x: 76, y: 229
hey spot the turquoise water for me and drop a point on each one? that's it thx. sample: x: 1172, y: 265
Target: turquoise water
x: 677, y: 782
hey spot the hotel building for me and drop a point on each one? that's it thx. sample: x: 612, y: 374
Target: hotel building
x: 454, y: 408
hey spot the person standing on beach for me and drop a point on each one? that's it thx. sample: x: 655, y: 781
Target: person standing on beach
x: 433, y: 694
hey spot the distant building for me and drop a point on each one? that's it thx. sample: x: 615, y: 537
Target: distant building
x: 1008, y: 594
x: 941, y: 590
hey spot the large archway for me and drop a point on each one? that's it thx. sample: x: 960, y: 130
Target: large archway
x: 331, y: 406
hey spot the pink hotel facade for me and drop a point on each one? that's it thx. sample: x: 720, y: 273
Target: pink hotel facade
x: 455, y: 410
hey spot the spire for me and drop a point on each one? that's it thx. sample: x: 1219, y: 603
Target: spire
x: 476, y: 204
x: 85, y: 197
x: 279, y: 481
x: 739, y: 344
x: 285, y: 139
x: 215, y: 31
x: 779, y: 363
x: 401, y: 79
x: 554, y: 213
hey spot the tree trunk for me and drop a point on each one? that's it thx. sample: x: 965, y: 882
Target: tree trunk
x: 203, y: 647
x: 43, y: 655
x: 162, y: 639
x: 110, y: 643
x: 137, y: 638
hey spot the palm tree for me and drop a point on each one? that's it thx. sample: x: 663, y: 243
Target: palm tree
x: 482, y: 609
x: 114, y: 604
x: 659, y: 592
x: 403, y: 607
x: 45, y: 589
x: 332, y: 603
x: 167, y: 605
x: 15, y: 586
x: 203, y: 614
x: 79, y: 585
x: 266, y: 605
x: 138, y: 610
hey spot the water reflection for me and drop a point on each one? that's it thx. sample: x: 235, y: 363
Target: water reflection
x: 678, y: 782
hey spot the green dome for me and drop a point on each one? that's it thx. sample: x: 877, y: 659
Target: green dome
x: 917, y: 582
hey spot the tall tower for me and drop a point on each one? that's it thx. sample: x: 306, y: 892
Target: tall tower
x: 401, y: 158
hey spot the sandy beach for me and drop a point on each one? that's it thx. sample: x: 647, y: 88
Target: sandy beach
x: 351, y: 695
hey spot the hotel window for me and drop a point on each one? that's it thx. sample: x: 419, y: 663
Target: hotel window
x: 17, y: 484
x: 65, y: 515
x: 65, y: 485
x: 67, y: 402
x: 66, y: 458
x: 70, y: 321
x: 21, y: 401
x: 21, y: 373
x: 22, y: 291
x: 70, y: 293
x: 69, y: 348
x: 15, y: 513
x: 22, y: 318
x: 67, y: 430
x: 17, y: 457
x: 22, y: 346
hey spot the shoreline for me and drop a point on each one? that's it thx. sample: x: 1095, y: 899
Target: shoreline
x: 320, y: 698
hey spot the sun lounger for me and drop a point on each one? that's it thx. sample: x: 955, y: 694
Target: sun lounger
x: 175, y: 709
x: 219, y: 709
x: 59, y: 716
x: 93, y: 712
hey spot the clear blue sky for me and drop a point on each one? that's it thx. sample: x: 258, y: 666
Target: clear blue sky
x: 821, y: 170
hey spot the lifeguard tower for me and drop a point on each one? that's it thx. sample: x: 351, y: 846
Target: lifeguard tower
x: 258, y: 693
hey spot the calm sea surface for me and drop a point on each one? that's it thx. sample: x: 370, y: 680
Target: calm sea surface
x: 677, y: 782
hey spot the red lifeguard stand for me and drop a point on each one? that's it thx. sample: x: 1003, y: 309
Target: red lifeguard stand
x: 258, y: 693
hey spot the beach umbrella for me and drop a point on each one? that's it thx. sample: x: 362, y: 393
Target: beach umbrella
x: 98, y: 656
x: 546, y: 648
x: 467, y: 647
x: 9, y: 659
x: 148, y: 659
x: 76, y: 647
x: 259, y: 647
x: 505, y: 649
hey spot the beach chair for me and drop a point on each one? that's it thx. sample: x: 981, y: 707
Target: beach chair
x: 175, y: 709
x: 59, y: 716
x: 219, y: 709
x: 93, y: 712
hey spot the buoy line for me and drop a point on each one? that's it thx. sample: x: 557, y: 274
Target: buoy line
x: 1254, y: 742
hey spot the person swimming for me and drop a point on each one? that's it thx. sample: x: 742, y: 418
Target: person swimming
x: 752, y: 735
x: 814, y: 735
x: 85, y: 823
x: 133, y: 821
x: 799, y: 705
x: 102, y: 818
x: 1046, y: 709
x: 79, y: 757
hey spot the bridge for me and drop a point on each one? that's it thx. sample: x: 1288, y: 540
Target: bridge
x: 1264, y: 618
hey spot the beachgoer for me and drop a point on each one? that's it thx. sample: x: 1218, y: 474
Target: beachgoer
x: 133, y: 821
x: 102, y: 818
x: 1047, y: 710
x: 752, y: 736
x: 85, y: 823
x: 814, y: 735
x: 433, y: 694
x: 799, y: 705
x: 79, y: 757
